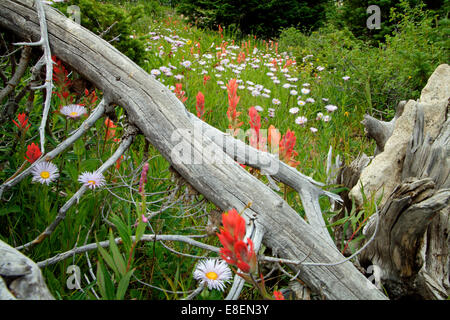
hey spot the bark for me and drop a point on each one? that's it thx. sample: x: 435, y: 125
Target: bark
x: 413, y: 244
x: 20, y: 277
x: 162, y: 118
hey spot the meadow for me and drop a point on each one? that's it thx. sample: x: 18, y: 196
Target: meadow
x: 304, y: 93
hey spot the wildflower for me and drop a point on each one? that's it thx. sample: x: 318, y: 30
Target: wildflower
x: 178, y: 76
x: 179, y: 92
x: 313, y: 130
x: 186, y: 63
x: 212, y: 272
x: 205, y: 79
x: 345, y: 78
x: 200, y: 106
x: 143, y: 179
x: 286, y: 85
x: 33, y: 153
x: 256, y: 139
x: 320, y: 68
x: 276, y: 101
x: 301, y: 102
x: 110, y: 131
x: 233, y: 100
x: 259, y: 108
x: 293, y: 92
x: 278, y: 295
x: 73, y: 111
x: 271, y: 112
x: 326, y: 118
x: 45, y: 172
x: 287, y: 153
x: 310, y: 100
x: 274, y: 137
x: 319, y: 116
x: 301, y: 120
x: 331, y: 108
x: 305, y: 91
x: 155, y: 72
x: 293, y: 110
x: 92, y: 179
x: 235, y: 251
x: 23, y: 121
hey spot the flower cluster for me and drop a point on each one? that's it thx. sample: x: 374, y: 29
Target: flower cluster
x: 235, y: 251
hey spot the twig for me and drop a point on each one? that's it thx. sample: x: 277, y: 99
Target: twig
x: 196, y: 292
x: 145, y: 237
x: 43, y: 42
x: 126, y: 142
x: 15, y: 79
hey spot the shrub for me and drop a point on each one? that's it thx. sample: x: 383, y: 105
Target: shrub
x: 382, y: 76
x: 255, y: 17
x: 113, y: 23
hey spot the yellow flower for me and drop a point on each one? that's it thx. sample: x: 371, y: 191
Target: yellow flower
x: 189, y: 42
x: 346, y: 113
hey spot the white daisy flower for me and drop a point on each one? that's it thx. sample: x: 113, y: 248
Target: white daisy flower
x: 186, y: 63
x: 276, y: 101
x: 293, y: 92
x: 294, y: 110
x: 301, y: 102
x: 326, y: 118
x: 212, y: 272
x: 319, y: 116
x: 45, y: 172
x: 179, y: 76
x: 73, y: 111
x: 305, y: 91
x: 345, y: 78
x: 92, y: 179
x: 310, y: 100
x: 331, y: 108
x: 259, y: 108
x: 271, y: 112
x: 313, y: 130
x: 301, y: 120
x: 155, y: 72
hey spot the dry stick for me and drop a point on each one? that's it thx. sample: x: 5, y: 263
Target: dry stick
x: 85, y: 126
x: 126, y: 142
x: 43, y: 42
x: 15, y: 79
x: 145, y: 237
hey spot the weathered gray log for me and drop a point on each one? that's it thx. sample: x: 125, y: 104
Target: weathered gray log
x: 160, y: 115
x: 20, y: 277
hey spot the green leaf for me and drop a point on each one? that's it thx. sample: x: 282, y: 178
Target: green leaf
x: 109, y: 260
x: 117, y: 256
x: 101, y: 280
x: 8, y: 210
x: 123, y: 285
x: 140, y: 230
x: 124, y: 231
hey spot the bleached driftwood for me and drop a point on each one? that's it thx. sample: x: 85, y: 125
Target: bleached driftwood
x: 20, y: 277
x: 162, y: 118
